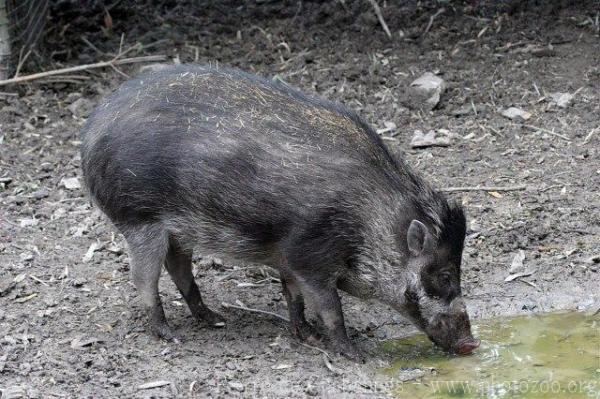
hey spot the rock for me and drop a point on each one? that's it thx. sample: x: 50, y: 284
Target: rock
x: 6, y: 285
x: 515, y: 114
x: 70, y: 183
x: 236, y: 386
x: 28, y: 222
x: 114, y: 248
x: 81, y: 107
x: 430, y: 139
x: 230, y: 366
x: 41, y: 193
x: 14, y: 392
x: 432, y: 86
x: 562, y: 100
x: 311, y: 390
x: 429, y: 82
x: 26, y: 256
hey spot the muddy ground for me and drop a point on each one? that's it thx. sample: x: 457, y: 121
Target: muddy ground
x: 70, y: 323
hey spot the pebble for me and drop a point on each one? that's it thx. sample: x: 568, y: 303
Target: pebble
x: 236, y: 386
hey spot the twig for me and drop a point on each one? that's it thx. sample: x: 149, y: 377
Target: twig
x: 90, y: 45
x: 117, y: 70
x: 380, y: 18
x: 315, y: 348
x: 38, y: 280
x: 103, y: 64
x: 22, y: 60
x: 228, y: 305
x: 432, y: 18
x: 484, y: 188
x: 539, y: 129
x: 589, y: 135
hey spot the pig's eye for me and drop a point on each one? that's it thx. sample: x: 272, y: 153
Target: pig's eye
x: 445, y: 278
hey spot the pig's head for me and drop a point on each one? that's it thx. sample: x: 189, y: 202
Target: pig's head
x: 430, y: 295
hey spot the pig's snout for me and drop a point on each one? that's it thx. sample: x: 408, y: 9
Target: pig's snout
x: 452, y: 331
x: 467, y: 345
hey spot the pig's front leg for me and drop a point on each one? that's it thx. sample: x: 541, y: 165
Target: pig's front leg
x: 326, y: 301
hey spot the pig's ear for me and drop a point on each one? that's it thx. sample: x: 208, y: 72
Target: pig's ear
x: 416, y: 237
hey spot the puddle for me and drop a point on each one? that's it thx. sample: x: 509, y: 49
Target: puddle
x: 544, y: 356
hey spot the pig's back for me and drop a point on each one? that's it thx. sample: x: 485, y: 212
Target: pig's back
x: 225, y: 143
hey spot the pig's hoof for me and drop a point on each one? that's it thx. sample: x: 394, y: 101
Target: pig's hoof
x: 213, y: 319
x: 349, y: 351
x: 305, y: 332
x: 163, y: 331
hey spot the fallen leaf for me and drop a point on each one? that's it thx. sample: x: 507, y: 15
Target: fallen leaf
x: 495, y: 194
x: 154, y: 384
x: 389, y: 126
x: 90, y: 252
x: 80, y: 342
x: 430, y: 139
x: 26, y: 298
x: 3, y: 362
x: 329, y: 366
x: 517, y: 262
x: 515, y: 276
x: 281, y: 366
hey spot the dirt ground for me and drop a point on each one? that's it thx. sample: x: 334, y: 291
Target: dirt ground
x: 70, y: 322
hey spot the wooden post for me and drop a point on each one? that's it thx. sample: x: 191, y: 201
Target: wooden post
x: 4, y: 41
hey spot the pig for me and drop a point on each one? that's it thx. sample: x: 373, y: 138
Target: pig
x: 249, y: 169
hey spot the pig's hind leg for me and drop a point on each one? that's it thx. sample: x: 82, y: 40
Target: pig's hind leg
x: 148, y: 245
x: 299, y: 327
x: 179, y: 266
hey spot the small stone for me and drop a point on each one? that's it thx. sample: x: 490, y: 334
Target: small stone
x: 562, y: 100
x: 28, y: 222
x: 515, y: 114
x: 231, y: 366
x: 41, y: 193
x: 429, y: 82
x: 431, y: 86
x: 14, y: 392
x: 26, y: 256
x: 115, y: 249
x: 71, y: 183
x: 81, y: 107
x: 236, y: 386
x: 380, y: 333
x: 311, y: 390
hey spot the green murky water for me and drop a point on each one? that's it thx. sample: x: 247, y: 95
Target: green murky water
x: 544, y: 356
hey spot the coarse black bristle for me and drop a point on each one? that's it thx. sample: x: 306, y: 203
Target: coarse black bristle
x: 453, y: 228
